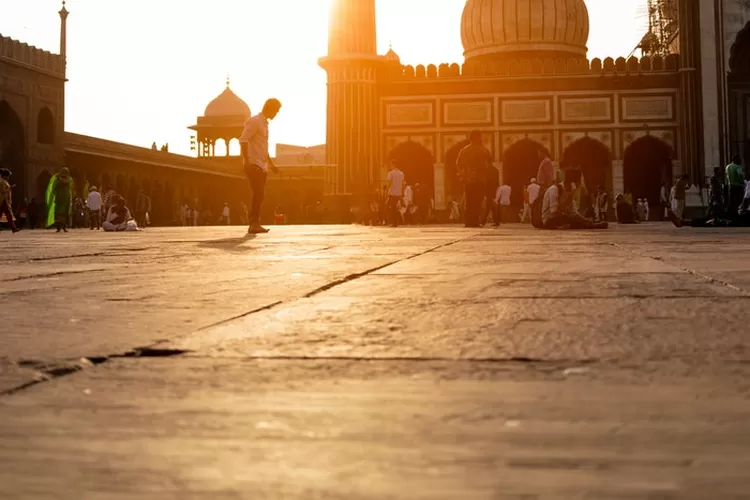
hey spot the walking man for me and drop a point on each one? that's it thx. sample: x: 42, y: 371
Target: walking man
x: 473, y: 162
x: 256, y: 160
x: 395, y: 192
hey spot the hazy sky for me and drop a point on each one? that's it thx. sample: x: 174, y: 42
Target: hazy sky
x: 143, y: 70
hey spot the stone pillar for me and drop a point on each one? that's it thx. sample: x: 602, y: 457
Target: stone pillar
x: 439, y: 193
x: 690, y: 143
x: 353, y: 126
x: 713, y: 85
x: 618, y: 177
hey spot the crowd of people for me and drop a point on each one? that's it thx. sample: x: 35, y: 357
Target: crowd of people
x: 554, y: 199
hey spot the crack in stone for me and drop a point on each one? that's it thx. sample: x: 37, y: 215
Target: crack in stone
x: 50, y: 275
x: 697, y: 274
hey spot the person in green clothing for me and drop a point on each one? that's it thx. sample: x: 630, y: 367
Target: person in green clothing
x: 60, y: 200
x: 736, y: 185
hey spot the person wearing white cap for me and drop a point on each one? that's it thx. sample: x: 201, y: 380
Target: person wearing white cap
x: 532, y: 191
x: 94, y: 205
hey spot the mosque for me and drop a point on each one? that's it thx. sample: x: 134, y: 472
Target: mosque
x: 526, y: 83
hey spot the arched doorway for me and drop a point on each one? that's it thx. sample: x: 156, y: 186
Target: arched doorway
x: 12, y: 147
x: 45, y: 127
x: 453, y: 184
x: 647, y: 163
x: 121, y: 185
x: 132, y: 193
x: 520, y: 164
x: 593, y: 159
x: 738, y: 83
x: 416, y: 162
x: 42, y: 181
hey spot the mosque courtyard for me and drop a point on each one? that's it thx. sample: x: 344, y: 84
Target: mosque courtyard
x: 356, y: 362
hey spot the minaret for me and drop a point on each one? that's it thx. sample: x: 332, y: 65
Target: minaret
x: 64, y: 32
x: 690, y: 133
x: 353, y: 127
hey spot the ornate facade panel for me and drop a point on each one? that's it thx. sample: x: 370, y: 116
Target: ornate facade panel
x: 526, y: 111
x: 603, y: 136
x: 427, y: 141
x: 669, y: 136
x: 409, y: 114
x: 391, y: 141
x: 450, y: 140
x: 630, y: 136
x: 464, y: 112
x: 545, y: 139
x: 641, y: 108
x: 587, y: 110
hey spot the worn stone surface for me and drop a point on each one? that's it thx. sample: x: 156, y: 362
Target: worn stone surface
x: 351, y: 362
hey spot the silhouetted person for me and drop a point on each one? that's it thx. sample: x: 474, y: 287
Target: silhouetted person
x: 6, y: 200
x: 473, y: 162
x: 395, y: 193
x: 256, y: 160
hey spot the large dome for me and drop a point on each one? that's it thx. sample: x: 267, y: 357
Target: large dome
x: 508, y: 29
x: 227, y: 104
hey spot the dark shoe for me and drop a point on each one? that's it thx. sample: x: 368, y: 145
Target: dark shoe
x: 600, y: 225
x: 257, y: 230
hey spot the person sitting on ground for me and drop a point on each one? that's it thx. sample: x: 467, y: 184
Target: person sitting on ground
x: 624, y: 211
x: 559, y: 210
x: 119, y: 217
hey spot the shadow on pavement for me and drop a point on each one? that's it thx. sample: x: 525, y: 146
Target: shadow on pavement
x: 229, y: 244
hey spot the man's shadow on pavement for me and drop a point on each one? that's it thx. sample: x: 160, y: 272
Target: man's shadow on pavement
x: 229, y: 244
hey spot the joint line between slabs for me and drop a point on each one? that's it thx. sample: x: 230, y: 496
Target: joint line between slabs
x: 705, y: 277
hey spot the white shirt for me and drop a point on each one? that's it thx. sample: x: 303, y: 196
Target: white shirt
x: 94, y: 201
x: 225, y: 212
x: 549, y: 205
x: 533, y: 190
x: 747, y: 190
x: 503, y: 195
x: 408, y: 196
x: 396, y: 180
x: 255, y: 135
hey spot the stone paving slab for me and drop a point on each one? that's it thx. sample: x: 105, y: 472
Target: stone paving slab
x: 353, y: 362
x: 184, y: 428
x: 102, y: 294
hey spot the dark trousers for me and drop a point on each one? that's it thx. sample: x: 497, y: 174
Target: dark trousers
x: 474, y: 197
x: 95, y: 216
x: 393, y: 213
x: 736, y: 195
x: 5, y: 210
x: 490, y: 207
x: 257, y: 177
x: 536, y: 209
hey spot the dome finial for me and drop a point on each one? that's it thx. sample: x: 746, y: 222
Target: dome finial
x: 228, y: 80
